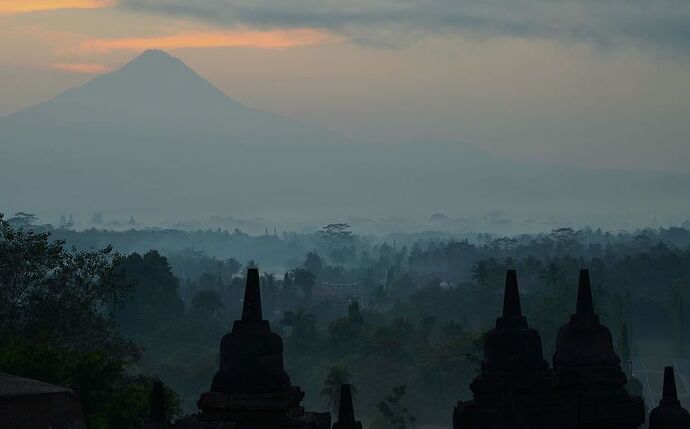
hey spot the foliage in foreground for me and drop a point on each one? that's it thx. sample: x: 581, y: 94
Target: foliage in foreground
x: 57, y: 325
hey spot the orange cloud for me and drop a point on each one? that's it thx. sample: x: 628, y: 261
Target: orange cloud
x: 81, y: 68
x: 24, y: 6
x: 240, y: 38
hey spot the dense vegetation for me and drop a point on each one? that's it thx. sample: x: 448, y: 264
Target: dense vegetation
x: 402, y: 318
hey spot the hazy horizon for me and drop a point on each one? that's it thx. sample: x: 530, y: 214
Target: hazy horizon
x: 125, y: 130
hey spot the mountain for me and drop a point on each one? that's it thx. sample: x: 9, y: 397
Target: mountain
x: 156, y: 139
x: 154, y: 95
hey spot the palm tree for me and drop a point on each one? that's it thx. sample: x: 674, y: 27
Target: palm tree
x: 379, y: 296
x: 302, y: 323
x: 337, y: 376
x: 552, y: 274
x: 208, y: 302
x: 480, y: 271
x: 305, y: 279
x: 268, y: 279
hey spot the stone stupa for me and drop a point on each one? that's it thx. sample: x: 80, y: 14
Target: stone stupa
x: 251, y: 389
x: 346, y: 411
x: 669, y: 414
x: 589, y: 371
x: 516, y: 388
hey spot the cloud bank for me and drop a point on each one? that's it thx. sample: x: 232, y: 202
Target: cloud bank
x: 11, y: 7
x: 239, y: 38
x: 81, y: 68
x: 659, y: 23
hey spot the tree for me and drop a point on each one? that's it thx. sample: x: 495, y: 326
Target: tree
x: 480, y: 271
x: 302, y: 323
x: 208, y: 302
x: 287, y: 280
x: 57, y: 326
x: 232, y: 267
x: 552, y: 274
x: 210, y: 281
x: 393, y: 410
x: 354, y: 314
x: 287, y: 292
x: 313, y: 263
x: 22, y: 220
x: 681, y: 328
x: 155, y: 301
x: 269, y: 293
x: 62, y: 298
x: 337, y: 376
x: 426, y: 326
x: 566, y: 239
x: 624, y: 349
x: 305, y: 280
x: 336, y: 233
x: 379, y: 297
x: 338, y: 237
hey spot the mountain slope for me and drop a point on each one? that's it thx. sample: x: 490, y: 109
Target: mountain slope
x: 156, y: 94
x: 156, y: 139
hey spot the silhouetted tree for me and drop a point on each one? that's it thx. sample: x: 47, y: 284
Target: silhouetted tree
x: 336, y: 377
x: 394, y: 411
x: 56, y: 325
x: 305, y: 280
x: 302, y: 323
x: 379, y: 297
x: 208, y: 302
x: 313, y: 263
x: 552, y: 274
x: 480, y: 272
x: 22, y: 220
x: 155, y: 301
x: 232, y: 266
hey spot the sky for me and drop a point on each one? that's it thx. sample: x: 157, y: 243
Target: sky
x: 574, y: 82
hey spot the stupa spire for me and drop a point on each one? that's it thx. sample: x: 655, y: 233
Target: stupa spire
x: 669, y: 392
x: 513, y: 364
x: 157, y: 403
x: 511, y: 296
x: 669, y: 414
x: 585, y: 304
x: 589, y: 370
x: 157, y: 415
x: 346, y: 412
x: 251, y: 309
x: 251, y: 388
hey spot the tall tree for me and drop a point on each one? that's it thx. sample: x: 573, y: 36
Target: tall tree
x: 208, y: 302
x: 156, y: 301
x: 303, y: 325
x: 56, y: 325
x: 337, y: 376
x: 681, y: 327
x: 552, y: 274
x: 305, y: 280
x: 480, y: 271
x: 313, y: 263
x: 624, y: 349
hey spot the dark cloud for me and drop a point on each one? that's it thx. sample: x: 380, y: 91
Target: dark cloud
x: 657, y: 22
